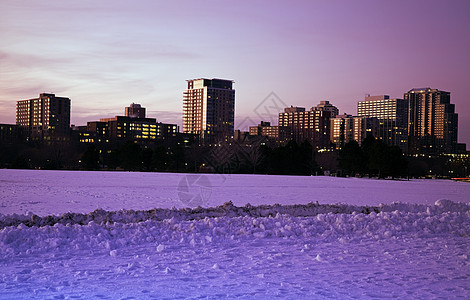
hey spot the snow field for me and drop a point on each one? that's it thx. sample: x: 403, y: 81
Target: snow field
x: 421, y: 249
x: 121, y: 235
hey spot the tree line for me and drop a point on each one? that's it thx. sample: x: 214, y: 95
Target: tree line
x: 372, y: 158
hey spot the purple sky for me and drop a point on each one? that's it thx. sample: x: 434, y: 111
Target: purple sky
x: 106, y: 54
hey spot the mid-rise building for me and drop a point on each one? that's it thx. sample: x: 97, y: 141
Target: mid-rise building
x: 135, y: 111
x: 346, y: 128
x: 138, y: 129
x: 393, y: 118
x: 132, y: 127
x: 209, y: 109
x: 45, y: 116
x: 312, y: 125
x: 280, y: 135
x: 432, y: 121
x: 93, y: 132
x: 342, y: 130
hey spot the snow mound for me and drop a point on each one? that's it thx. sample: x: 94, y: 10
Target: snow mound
x: 440, y: 206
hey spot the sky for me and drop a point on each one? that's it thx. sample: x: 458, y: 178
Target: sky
x: 105, y: 55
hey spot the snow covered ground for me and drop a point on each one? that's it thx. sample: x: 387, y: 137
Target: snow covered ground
x: 417, y: 249
x: 56, y: 192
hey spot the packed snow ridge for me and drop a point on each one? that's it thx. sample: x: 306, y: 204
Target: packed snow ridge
x: 101, y: 216
x: 112, y: 230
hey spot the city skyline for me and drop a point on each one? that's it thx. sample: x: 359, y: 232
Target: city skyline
x: 111, y: 55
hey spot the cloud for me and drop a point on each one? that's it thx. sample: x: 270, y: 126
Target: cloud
x: 173, y: 117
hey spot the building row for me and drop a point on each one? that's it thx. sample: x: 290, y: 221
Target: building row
x: 47, y: 118
x: 424, y: 121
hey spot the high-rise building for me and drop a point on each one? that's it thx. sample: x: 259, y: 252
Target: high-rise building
x: 393, y: 118
x: 209, y: 109
x: 135, y: 111
x: 312, y: 125
x: 45, y: 116
x: 432, y: 121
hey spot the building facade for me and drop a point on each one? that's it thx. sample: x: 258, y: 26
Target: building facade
x: 346, y: 128
x: 209, y: 109
x: 44, y: 117
x: 342, y: 130
x: 432, y: 121
x: 392, y: 115
x: 99, y: 128
x: 327, y: 106
x: 280, y: 135
x: 10, y: 133
x: 137, y: 129
x: 363, y: 127
x: 312, y: 125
